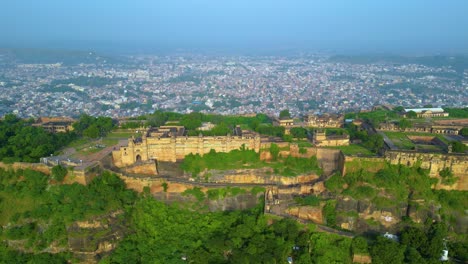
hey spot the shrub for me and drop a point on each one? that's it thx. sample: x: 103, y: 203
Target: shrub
x: 59, y: 172
x: 311, y: 200
x: 195, y: 192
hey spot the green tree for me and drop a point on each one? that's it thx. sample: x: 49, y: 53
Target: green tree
x: 298, y: 132
x: 399, y: 109
x: 93, y: 127
x: 284, y: 114
x: 276, y: 131
x: 434, y: 245
x: 458, y: 147
x: 411, y: 114
x: 413, y: 256
x: 359, y: 245
x: 274, y: 151
x: 386, y: 251
x: 192, y: 121
x: 413, y: 237
x: 59, y: 172
x: 91, y: 132
x: 464, y: 132
x: 404, y: 123
x: 374, y: 143
x: 221, y: 130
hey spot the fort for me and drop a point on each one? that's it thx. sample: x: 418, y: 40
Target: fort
x: 427, y: 112
x: 448, y: 129
x: 325, y: 121
x: 171, y: 143
x: 320, y: 139
x: 55, y: 124
x: 434, y: 162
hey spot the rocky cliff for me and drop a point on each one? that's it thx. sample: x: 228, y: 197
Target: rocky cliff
x: 90, y: 240
x: 255, y: 176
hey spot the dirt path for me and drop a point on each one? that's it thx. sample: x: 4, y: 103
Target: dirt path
x: 90, y: 159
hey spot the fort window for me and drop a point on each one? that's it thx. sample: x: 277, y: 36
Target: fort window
x: 138, y: 158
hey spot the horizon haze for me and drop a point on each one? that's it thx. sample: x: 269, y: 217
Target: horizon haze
x: 400, y: 27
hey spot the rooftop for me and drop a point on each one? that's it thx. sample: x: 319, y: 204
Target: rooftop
x: 420, y: 110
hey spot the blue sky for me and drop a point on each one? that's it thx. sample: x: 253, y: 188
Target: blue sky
x: 349, y: 25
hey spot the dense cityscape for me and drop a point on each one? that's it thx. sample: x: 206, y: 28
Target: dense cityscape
x: 135, y: 85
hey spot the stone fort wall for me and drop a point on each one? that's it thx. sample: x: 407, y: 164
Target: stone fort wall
x: 434, y: 162
x: 176, y: 148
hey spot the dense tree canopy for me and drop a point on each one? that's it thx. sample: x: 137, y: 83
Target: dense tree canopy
x: 93, y: 127
x: 284, y: 114
x: 299, y: 132
x: 458, y: 147
x: 20, y: 141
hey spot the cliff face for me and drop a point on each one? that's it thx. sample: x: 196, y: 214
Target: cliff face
x: 310, y: 213
x: 363, y: 216
x: 91, y: 240
x: 255, y: 176
x: 238, y: 202
x: 24, y: 165
x: 143, y: 168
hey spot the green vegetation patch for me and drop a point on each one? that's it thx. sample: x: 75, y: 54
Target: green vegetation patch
x: 330, y: 248
x: 248, y: 159
x: 354, y: 149
x: 257, y: 189
x: 389, y: 183
x: 457, y: 112
x: 361, y: 192
x: 357, y: 164
x: 221, y: 193
x: 195, y: 192
x: 401, y: 140
x: 329, y: 213
x: 20, y: 141
x: 29, y: 202
x: 310, y: 200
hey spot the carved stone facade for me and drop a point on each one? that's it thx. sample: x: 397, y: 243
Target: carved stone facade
x: 325, y: 121
x: 171, y: 144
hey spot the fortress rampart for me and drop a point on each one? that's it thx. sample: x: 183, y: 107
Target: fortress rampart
x: 176, y: 148
x: 434, y: 162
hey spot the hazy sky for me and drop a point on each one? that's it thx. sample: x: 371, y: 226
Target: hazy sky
x: 425, y: 26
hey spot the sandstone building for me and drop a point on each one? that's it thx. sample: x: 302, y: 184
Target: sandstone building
x: 320, y: 139
x: 171, y: 143
x: 55, y: 124
x: 434, y: 162
x: 325, y: 121
x: 288, y: 123
x: 425, y: 128
x: 428, y: 112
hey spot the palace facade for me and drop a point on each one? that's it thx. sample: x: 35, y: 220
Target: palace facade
x: 171, y: 143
